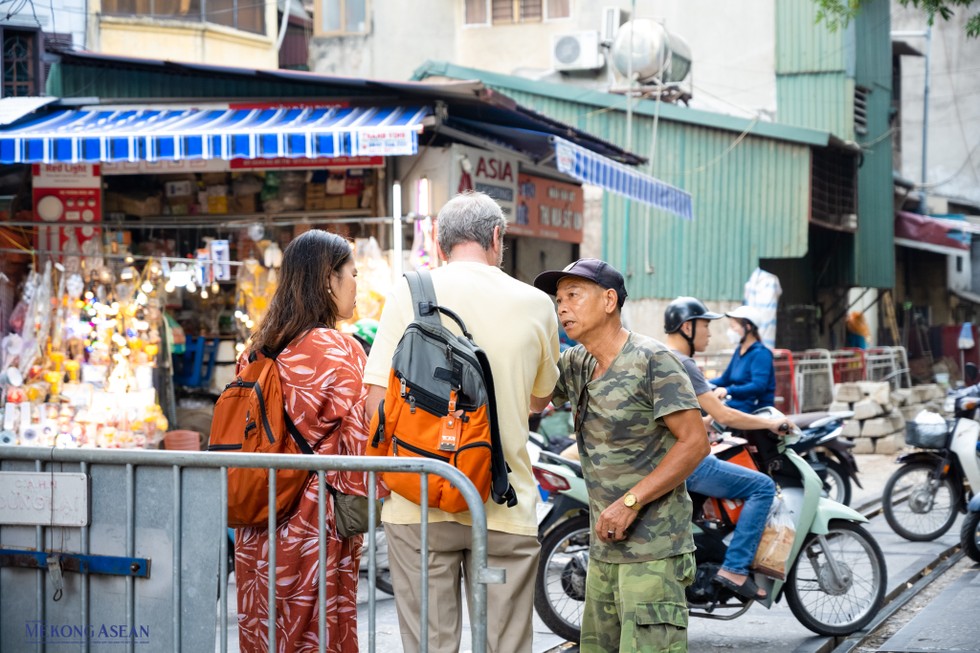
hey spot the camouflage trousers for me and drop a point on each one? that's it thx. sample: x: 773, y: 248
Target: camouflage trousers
x: 638, y: 606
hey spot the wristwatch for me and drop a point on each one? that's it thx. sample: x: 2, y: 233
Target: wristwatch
x: 631, y: 501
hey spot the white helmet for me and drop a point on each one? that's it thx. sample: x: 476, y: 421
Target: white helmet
x: 750, y: 313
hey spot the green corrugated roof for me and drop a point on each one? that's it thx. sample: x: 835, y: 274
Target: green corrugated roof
x: 749, y: 182
x: 671, y: 112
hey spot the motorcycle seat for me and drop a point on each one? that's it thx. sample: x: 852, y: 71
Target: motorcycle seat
x: 804, y: 420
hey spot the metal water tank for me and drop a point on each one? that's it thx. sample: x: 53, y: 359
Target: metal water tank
x: 656, y: 53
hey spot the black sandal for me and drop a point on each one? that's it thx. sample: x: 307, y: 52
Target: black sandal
x: 747, y: 590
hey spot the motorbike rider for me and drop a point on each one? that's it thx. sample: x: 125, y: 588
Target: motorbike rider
x: 687, y: 321
x: 749, y: 381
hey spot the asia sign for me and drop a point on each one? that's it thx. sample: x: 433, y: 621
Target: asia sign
x: 548, y: 209
x: 487, y: 172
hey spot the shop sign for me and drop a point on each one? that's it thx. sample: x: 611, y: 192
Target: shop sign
x: 305, y: 162
x: 384, y: 141
x: 548, y: 209
x: 487, y: 172
x: 69, y: 195
x: 44, y: 499
x: 163, y: 167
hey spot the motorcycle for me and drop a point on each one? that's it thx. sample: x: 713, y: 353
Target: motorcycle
x: 922, y: 498
x: 836, y: 577
x: 970, y: 532
x: 830, y: 455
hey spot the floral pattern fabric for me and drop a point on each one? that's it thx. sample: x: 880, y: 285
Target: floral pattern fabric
x: 322, y: 383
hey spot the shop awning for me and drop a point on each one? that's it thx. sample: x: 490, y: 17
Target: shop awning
x: 943, y: 236
x: 591, y: 168
x: 99, y: 134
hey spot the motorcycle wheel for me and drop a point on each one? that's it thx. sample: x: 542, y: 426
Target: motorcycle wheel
x: 833, y: 605
x: 970, y: 536
x: 917, y: 507
x: 559, y: 585
x: 838, y: 481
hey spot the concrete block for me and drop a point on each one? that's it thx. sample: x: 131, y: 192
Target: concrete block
x: 847, y: 393
x: 909, y: 412
x: 897, y: 420
x: 863, y: 445
x: 866, y: 409
x: 839, y: 406
x: 852, y: 429
x: 900, y: 397
x: 890, y: 444
x: 876, y: 427
x: 878, y: 391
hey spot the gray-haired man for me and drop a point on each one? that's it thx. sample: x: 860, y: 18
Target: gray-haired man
x: 516, y: 325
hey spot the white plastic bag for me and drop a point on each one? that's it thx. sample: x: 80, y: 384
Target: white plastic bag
x: 772, y: 556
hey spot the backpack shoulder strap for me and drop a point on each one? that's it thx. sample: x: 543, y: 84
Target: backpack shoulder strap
x: 501, y: 489
x: 423, y: 296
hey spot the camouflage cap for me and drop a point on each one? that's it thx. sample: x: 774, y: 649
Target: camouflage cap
x: 591, y: 269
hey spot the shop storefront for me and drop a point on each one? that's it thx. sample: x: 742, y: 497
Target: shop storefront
x: 149, y: 246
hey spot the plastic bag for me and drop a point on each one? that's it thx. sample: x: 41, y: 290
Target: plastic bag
x: 777, y: 541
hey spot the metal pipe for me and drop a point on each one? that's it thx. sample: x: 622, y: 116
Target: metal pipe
x: 923, y: 195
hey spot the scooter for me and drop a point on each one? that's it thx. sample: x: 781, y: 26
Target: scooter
x: 970, y: 531
x: 822, y: 446
x: 836, y: 576
x: 934, y: 483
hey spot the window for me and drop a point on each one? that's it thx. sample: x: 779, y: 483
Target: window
x: 475, y: 12
x: 246, y: 15
x: 342, y: 17
x: 20, y: 61
x: 507, y: 12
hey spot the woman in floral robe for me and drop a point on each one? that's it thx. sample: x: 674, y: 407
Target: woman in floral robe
x: 321, y: 373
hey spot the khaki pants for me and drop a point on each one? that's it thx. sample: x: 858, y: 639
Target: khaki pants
x: 510, y: 605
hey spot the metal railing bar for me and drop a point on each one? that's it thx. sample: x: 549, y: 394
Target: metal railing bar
x: 178, y: 536
x: 86, y: 546
x: 131, y: 548
x: 372, y: 560
x: 272, y: 559
x: 424, y: 532
x: 39, y: 575
x: 321, y: 512
x: 225, y: 572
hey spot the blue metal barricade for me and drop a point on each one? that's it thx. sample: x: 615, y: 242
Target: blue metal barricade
x: 131, y: 560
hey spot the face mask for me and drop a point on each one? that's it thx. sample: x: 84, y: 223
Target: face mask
x: 734, y: 336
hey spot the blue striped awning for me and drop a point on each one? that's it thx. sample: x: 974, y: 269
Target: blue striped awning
x: 591, y: 168
x: 98, y: 134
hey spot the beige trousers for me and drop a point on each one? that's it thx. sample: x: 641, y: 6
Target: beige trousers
x: 510, y: 605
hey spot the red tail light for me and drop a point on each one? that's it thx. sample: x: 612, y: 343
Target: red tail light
x: 551, y: 482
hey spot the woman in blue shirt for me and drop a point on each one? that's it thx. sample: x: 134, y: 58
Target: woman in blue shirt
x: 749, y: 381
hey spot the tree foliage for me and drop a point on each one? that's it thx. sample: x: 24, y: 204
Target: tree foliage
x: 838, y: 13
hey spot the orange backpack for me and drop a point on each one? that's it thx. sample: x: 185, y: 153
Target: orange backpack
x: 250, y: 416
x: 440, y: 404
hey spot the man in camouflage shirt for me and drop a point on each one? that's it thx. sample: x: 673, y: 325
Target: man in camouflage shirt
x: 640, y: 434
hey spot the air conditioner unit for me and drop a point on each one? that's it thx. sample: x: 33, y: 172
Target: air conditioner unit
x: 612, y: 18
x: 576, y: 51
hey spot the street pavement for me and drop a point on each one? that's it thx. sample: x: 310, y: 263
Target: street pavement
x: 761, y: 630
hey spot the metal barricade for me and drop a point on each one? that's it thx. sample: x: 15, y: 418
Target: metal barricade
x: 712, y: 365
x: 888, y: 364
x: 786, y: 399
x: 814, y: 379
x: 175, y: 510
x: 849, y: 365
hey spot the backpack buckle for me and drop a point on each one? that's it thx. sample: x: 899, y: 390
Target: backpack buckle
x: 427, y: 308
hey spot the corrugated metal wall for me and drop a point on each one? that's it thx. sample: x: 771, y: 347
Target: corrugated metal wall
x: 821, y: 101
x: 751, y: 201
x: 874, y: 251
x: 802, y: 49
